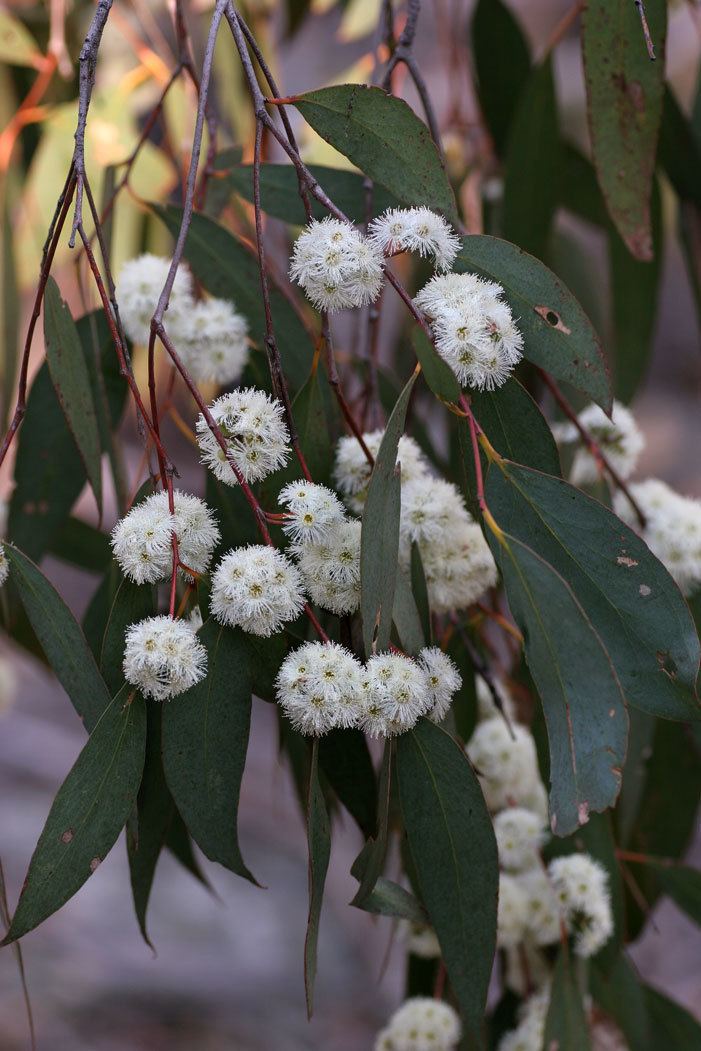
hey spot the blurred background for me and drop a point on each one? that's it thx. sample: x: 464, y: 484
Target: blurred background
x: 228, y: 970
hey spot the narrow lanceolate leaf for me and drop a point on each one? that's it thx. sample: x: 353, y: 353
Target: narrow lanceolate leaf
x: 619, y: 993
x: 390, y: 899
x: 379, y: 545
x: 9, y: 318
x: 88, y: 813
x: 229, y: 270
x: 61, y: 639
x: 502, y: 62
x: 516, y: 427
x: 205, y: 739
x: 132, y: 602
x: 671, y: 1026
x: 566, y: 1027
x: 452, y: 846
x: 681, y: 883
x: 557, y: 334
x: 346, y: 763
x: 82, y: 545
x: 582, y: 700
x: 624, y: 105
x: 319, y: 842
x: 367, y: 867
x: 71, y: 380
x: 405, y: 615
x: 532, y: 164
x: 383, y: 137
x: 437, y: 373
x: 627, y: 594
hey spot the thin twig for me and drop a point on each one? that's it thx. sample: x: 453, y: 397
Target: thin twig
x: 17, y: 949
x: 646, y: 30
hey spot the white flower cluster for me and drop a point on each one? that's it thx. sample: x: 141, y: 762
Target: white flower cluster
x: 253, y: 425
x: 313, y: 512
x: 415, y: 230
x: 473, y: 328
x: 321, y: 686
x: 256, y: 588
x: 420, y: 939
x: 336, y: 265
x: 4, y: 566
x: 331, y: 567
x: 457, y: 562
x: 421, y: 1024
x: 530, y: 1031
x: 581, y: 885
x: 209, y: 335
x: 163, y: 657
x: 142, y: 540
x: 507, y: 764
x: 619, y: 438
x: 672, y: 530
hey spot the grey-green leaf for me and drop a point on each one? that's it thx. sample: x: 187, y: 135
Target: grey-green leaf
x: 71, y: 380
x: 319, y: 842
x: 502, y: 62
x: 516, y: 427
x: 205, y: 739
x: 87, y: 815
x: 566, y: 1027
x: 132, y: 602
x: 453, y: 849
x: 383, y: 137
x: 558, y: 336
x: 670, y: 1024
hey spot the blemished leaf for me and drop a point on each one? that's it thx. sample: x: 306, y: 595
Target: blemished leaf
x: 383, y: 137
x: 566, y: 1022
x: 228, y: 269
x: 624, y: 105
x: 379, y: 545
x: 319, y: 842
x: 132, y: 602
x: 619, y: 993
x: 205, y: 739
x: 17, y: 45
x: 516, y: 427
x: 61, y: 639
x: 346, y: 763
x: 532, y: 164
x: 279, y: 192
x: 582, y: 701
x: 453, y: 849
x: 389, y: 899
x: 148, y: 826
x: 626, y: 593
x: 82, y: 545
x: 557, y: 334
x: 49, y: 472
x: 405, y: 615
x: 671, y: 1025
x: 503, y: 64
x: 681, y: 883
x: 437, y: 373
x: 87, y: 815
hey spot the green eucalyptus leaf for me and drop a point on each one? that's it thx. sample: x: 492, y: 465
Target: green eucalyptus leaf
x: 566, y: 1022
x: 502, y: 63
x: 419, y: 589
x: 618, y: 992
x: 516, y: 427
x: 87, y: 815
x: 437, y: 373
x: 132, y: 602
x: 367, y: 867
x: 346, y: 763
x: 83, y: 546
x: 680, y: 150
x: 9, y: 316
x: 389, y: 899
x: 453, y: 849
x: 319, y: 842
x: 681, y: 883
x: 671, y: 1025
x: 405, y: 615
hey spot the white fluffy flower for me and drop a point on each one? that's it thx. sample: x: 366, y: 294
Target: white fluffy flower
x: 140, y: 284
x: 444, y: 680
x: 214, y: 345
x: 672, y: 530
x: 163, y: 657
x: 253, y: 425
x: 336, y: 266
x: 619, y: 438
x: 142, y: 544
x: 256, y: 588
x: 331, y: 569
x: 319, y: 687
x: 473, y: 328
x: 511, y: 913
x: 507, y: 765
x: 543, y: 916
x: 458, y: 566
x: 420, y: 940
x: 530, y: 1032
x: 526, y: 968
x: 415, y: 230
x: 352, y: 470
x: 396, y: 694
x: 430, y: 506
x: 4, y: 566
x: 421, y: 1024
x: 486, y: 708
x: 520, y: 835
x: 312, y: 512
x: 581, y: 887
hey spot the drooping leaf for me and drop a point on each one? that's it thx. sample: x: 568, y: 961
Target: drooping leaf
x: 557, y: 334
x: 319, y: 842
x: 681, y: 883
x: 71, y: 380
x: 437, y: 373
x: 61, y: 639
x: 205, y: 739
x: 596, y: 838
x: 680, y: 150
x: 87, y: 815
x: 379, y: 545
x: 132, y: 602
x: 346, y: 763
x: 532, y: 164
x: 228, y: 269
x: 390, y: 899
x: 453, y: 849
x: 279, y: 191
x: 367, y: 867
x: 516, y: 427
x: 671, y: 1025
x: 82, y: 545
x: 582, y: 700
x: 566, y: 1022
x: 9, y: 317
x: 619, y: 993
x: 627, y: 594
x: 405, y: 615
x: 419, y: 589
x: 179, y: 842
x: 383, y: 137
x: 624, y: 104
x: 502, y: 62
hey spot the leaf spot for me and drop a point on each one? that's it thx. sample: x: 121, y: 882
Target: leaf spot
x: 553, y: 319
x: 644, y: 590
x: 625, y: 560
x: 95, y: 863
x: 667, y: 664
x: 67, y: 836
x: 583, y: 813
x: 612, y: 713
